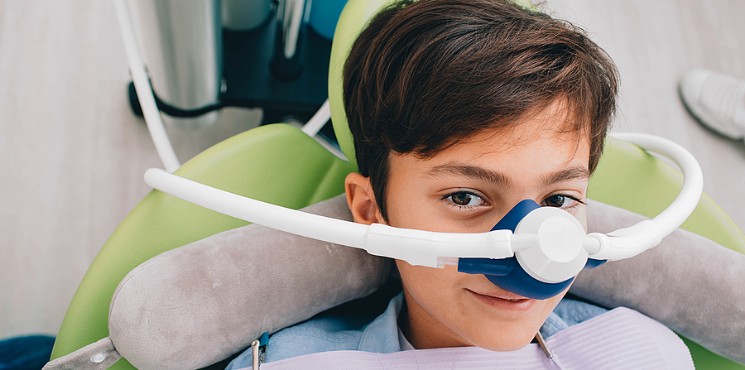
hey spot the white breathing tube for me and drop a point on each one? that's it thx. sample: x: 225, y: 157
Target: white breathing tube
x: 144, y: 91
x: 433, y: 249
x: 415, y: 246
x: 630, y: 241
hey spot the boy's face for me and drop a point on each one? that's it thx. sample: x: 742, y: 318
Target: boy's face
x: 468, y: 188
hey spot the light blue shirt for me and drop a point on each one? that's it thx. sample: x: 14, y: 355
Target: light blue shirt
x: 327, y: 332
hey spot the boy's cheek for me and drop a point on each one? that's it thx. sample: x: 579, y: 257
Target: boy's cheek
x: 425, y: 278
x: 581, y: 215
x: 431, y: 285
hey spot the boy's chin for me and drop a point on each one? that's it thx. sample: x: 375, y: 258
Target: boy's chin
x: 513, y: 342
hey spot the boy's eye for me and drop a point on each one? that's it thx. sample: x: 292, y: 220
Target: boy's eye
x: 464, y: 199
x: 561, y: 201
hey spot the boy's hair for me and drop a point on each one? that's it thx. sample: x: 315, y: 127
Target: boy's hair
x: 424, y: 75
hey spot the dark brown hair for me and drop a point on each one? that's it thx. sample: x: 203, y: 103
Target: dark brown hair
x: 424, y: 75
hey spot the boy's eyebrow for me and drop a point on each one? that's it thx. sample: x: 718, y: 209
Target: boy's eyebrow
x: 479, y: 173
x: 473, y: 172
x: 571, y: 173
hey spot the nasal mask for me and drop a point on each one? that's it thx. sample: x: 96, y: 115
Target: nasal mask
x: 533, y: 251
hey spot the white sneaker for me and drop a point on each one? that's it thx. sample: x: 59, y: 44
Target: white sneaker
x: 716, y: 100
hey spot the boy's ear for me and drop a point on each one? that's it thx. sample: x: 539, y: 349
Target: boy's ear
x: 361, y: 199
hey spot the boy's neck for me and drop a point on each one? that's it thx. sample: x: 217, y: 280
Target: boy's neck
x: 423, y: 331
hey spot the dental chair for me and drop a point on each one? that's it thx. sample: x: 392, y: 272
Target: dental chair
x: 280, y: 164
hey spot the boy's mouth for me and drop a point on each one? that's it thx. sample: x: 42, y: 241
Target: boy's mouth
x: 503, y: 300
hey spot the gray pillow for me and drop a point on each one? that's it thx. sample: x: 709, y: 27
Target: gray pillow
x: 198, y: 304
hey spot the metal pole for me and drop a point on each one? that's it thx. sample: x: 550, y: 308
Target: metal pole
x: 181, y: 41
x: 245, y: 14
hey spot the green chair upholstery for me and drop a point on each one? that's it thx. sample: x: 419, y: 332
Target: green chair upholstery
x: 280, y: 164
x: 276, y: 163
x: 628, y: 177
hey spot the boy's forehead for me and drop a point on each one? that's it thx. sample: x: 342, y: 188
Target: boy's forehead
x: 536, y: 163
x: 555, y: 121
x: 516, y: 147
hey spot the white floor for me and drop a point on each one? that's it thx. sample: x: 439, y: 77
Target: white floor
x: 72, y: 155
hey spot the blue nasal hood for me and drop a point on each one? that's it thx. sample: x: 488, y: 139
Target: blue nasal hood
x: 507, y: 273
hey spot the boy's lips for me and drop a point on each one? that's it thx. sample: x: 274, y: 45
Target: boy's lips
x: 503, y: 300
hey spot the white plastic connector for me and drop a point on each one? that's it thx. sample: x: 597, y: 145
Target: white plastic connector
x: 442, y: 262
x: 558, y: 254
x: 627, y: 242
x: 424, y: 248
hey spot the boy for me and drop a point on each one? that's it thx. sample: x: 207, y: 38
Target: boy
x: 459, y: 110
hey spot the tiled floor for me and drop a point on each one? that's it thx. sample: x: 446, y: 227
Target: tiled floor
x: 72, y: 155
